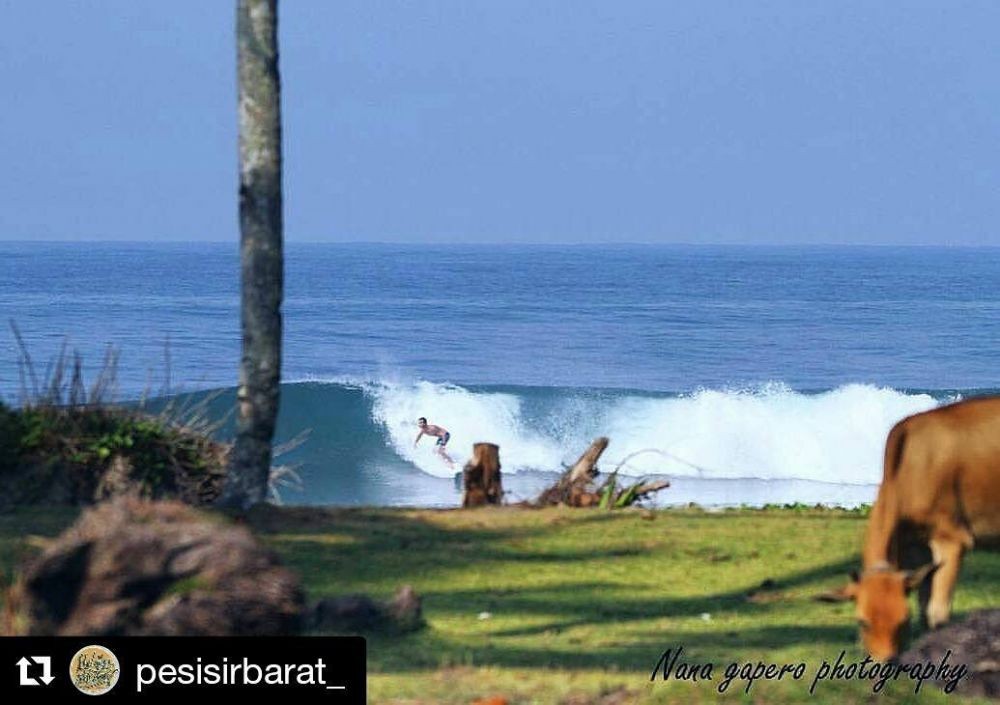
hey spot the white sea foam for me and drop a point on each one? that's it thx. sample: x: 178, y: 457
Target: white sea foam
x: 470, y: 417
x: 770, y: 432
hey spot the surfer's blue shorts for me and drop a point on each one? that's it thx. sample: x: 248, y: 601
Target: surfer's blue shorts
x: 443, y: 440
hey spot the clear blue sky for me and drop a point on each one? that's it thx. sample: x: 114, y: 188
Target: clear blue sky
x: 513, y: 121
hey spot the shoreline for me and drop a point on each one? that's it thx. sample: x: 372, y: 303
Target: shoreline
x: 418, y: 490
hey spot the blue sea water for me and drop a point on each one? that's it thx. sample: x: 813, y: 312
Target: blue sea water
x: 746, y: 374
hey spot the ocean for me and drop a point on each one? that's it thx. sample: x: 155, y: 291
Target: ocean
x: 747, y: 375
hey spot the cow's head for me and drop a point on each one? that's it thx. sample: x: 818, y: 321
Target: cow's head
x: 881, y: 607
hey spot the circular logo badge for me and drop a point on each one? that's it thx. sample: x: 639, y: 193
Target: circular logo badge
x: 94, y: 670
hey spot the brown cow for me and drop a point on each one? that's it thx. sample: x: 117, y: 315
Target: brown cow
x: 940, y: 491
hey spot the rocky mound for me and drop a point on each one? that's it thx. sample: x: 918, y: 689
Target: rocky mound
x: 135, y: 567
x: 974, y: 642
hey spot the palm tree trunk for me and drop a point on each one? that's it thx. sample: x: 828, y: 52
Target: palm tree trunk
x: 261, y: 254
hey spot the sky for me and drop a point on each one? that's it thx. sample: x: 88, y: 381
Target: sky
x: 521, y: 121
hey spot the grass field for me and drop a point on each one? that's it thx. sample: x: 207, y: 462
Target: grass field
x: 576, y: 606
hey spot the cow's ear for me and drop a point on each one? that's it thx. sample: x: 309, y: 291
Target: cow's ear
x: 913, y: 578
x: 843, y: 594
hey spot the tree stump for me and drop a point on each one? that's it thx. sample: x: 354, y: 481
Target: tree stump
x: 481, y: 476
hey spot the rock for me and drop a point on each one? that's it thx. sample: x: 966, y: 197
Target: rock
x: 360, y: 613
x: 974, y: 642
x: 405, y: 609
x: 136, y: 567
x: 348, y: 613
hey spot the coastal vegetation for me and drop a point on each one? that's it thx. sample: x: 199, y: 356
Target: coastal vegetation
x: 53, y: 454
x: 69, y: 441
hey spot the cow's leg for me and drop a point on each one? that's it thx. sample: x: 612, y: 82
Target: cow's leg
x: 914, y: 553
x: 947, y: 549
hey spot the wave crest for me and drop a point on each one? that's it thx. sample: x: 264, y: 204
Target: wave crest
x: 770, y: 432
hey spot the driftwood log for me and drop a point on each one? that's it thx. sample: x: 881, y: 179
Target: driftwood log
x: 481, y: 480
x: 576, y: 488
x: 585, y: 468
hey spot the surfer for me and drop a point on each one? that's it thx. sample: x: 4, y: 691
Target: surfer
x: 429, y: 429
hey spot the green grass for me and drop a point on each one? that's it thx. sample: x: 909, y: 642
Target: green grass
x: 582, y: 603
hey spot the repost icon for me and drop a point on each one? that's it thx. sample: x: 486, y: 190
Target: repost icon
x: 25, y: 666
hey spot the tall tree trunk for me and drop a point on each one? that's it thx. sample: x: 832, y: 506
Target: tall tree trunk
x: 260, y: 251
